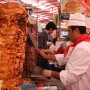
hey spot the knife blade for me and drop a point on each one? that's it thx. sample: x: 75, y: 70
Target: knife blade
x: 32, y: 39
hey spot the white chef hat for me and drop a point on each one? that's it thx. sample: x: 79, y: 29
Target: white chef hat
x: 77, y: 19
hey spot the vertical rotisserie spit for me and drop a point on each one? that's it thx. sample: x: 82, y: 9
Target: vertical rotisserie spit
x: 13, y: 34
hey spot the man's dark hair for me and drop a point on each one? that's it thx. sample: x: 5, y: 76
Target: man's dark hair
x: 82, y: 29
x: 50, y: 25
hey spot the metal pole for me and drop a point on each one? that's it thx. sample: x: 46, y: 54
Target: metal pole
x: 59, y: 11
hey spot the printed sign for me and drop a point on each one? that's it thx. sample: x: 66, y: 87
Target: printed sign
x: 71, y: 6
x: 65, y: 16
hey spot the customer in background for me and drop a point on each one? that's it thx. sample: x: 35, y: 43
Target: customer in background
x: 76, y: 75
x: 42, y: 43
x: 53, y: 46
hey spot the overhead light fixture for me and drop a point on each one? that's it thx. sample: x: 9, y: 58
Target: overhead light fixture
x: 25, y: 1
x: 28, y: 1
x: 59, y: 0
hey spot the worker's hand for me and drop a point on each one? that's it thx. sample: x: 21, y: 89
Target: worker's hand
x: 46, y: 73
x: 41, y: 52
x: 50, y: 52
x: 47, y: 51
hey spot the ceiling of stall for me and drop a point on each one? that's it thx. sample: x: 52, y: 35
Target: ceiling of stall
x: 43, y: 9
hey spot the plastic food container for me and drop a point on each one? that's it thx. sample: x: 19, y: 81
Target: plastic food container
x: 27, y: 86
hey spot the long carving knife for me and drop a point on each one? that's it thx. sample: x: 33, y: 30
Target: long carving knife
x: 32, y: 39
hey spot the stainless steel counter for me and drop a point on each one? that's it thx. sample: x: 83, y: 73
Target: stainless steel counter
x: 47, y: 81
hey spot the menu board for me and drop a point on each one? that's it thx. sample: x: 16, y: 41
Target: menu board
x: 71, y: 6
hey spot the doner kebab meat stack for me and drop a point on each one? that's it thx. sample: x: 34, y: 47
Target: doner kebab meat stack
x: 13, y: 35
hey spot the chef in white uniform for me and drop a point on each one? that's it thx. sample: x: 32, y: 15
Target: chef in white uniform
x: 76, y: 75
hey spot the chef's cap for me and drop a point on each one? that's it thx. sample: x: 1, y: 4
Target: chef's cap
x: 77, y: 19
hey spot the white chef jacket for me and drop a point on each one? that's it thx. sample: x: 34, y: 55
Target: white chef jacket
x: 76, y: 75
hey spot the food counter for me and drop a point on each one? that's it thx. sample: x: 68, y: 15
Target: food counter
x: 47, y: 81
